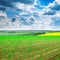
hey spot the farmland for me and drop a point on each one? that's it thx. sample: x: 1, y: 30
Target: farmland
x: 52, y: 34
x: 15, y: 47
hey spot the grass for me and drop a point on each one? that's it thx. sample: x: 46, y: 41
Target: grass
x: 29, y: 47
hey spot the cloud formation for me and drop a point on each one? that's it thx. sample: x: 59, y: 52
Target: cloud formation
x: 4, y: 20
x: 11, y: 3
x: 32, y: 14
x: 56, y: 21
x: 55, y: 6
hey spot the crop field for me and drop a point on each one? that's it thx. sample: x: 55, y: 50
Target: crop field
x: 52, y: 34
x: 15, y: 47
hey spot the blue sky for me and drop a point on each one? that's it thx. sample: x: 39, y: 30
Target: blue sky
x: 30, y: 14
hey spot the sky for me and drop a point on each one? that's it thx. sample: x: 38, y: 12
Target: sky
x: 29, y: 14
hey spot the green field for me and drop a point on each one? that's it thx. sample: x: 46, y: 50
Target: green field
x: 29, y: 47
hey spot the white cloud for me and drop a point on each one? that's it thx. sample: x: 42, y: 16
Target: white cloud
x: 41, y: 22
x: 58, y: 1
x: 57, y: 14
x: 3, y: 20
x: 23, y: 6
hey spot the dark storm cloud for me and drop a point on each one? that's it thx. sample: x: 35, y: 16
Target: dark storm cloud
x: 6, y: 3
x: 24, y: 20
x: 9, y: 3
x: 2, y: 8
x: 55, y: 7
x: 13, y: 20
x: 52, y: 12
x: 26, y: 1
